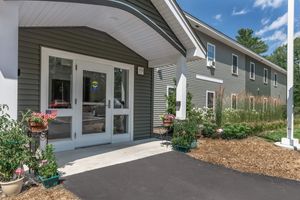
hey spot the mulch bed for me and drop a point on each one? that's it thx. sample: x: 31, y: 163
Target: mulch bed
x: 253, y: 155
x: 40, y: 193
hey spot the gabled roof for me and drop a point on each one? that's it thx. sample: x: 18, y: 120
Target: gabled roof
x: 178, y: 22
x: 205, y: 28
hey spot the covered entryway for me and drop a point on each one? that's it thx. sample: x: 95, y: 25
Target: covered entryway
x: 92, y: 96
x: 92, y: 62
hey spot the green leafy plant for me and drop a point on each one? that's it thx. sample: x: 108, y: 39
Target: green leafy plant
x: 14, y: 148
x: 47, y: 162
x: 184, y: 133
x: 171, y: 102
x: 235, y: 131
x: 209, y: 130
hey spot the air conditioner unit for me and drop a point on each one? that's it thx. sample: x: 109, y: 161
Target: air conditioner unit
x: 211, y: 64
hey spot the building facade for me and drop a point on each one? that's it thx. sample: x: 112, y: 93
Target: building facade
x: 238, y: 70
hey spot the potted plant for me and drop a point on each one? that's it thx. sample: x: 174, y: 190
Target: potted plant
x: 14, y: 153
x: 38, y: 122
x: 185, y: 135
x: 167, y: 119
x: 47, y: 169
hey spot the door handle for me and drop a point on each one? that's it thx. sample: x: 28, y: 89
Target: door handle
x: 108, y: 105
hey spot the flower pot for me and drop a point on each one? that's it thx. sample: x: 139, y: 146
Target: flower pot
x: 12, y: 188
x: 37, y: 127
x: 50, y: 182
x: 167, y: 122
x: 181, y: 149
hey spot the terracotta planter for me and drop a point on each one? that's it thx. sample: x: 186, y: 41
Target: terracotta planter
x: 167, y: 122
x: 37, y: 127
x: 12, y: 188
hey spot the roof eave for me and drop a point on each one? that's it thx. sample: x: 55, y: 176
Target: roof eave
x: 236, y: 44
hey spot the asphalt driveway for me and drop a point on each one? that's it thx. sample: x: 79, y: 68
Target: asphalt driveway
x: 176, y: 176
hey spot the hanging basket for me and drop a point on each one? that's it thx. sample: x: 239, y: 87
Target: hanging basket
x: 36, y: 127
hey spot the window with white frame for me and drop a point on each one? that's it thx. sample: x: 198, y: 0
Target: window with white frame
x: 251, y: 103
x: 265, y: 76
x: 235, y: 63
x: 233, y: 101
x: 252, y: 71
x: 211, y: 53
x: 265, y: 104
x: 210, y: 99
x: 275, y: 79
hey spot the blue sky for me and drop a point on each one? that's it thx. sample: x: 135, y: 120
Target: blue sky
x: 268, y: 18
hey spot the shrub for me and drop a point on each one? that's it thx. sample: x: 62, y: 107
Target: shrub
x: 202, y: 115
x: 209, y: 130
x: 184, y: 133
x: 171, y: 101
x: 48, y: 165
x: 14, y: 149
x: 235, y: 131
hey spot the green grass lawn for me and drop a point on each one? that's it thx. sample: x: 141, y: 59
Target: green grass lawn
x: 276, y: 135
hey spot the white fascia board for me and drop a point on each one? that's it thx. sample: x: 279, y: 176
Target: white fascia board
x: 210, y: 79
x: 230, y: 42
x: 163, y: 61
x: 198, y: 51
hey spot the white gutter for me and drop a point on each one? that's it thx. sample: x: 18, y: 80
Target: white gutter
x: 219, y: 36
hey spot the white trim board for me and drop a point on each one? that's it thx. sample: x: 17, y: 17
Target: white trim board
x: 210, y: 79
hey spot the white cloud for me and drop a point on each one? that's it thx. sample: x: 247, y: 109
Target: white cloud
x: 240, y: 12
x: 278, y: 23
x: 264, y: 21
x: 297, y: 34
x: 279, y: 35
x: 218, y: 17
x: 268, y: 3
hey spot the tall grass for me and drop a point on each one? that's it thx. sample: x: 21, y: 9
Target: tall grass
x: 266, y: 109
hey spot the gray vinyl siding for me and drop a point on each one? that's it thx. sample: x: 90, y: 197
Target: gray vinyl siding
x: 279, y: 92
x: 84, y: 41
x: 257, y: 87
x: 237, y: 84
x: 163, y: 78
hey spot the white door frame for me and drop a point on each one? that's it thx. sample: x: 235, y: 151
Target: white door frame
x: 94, y: 138
x: 67, y: 144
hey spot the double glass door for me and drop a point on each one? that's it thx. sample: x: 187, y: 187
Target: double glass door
x: 93, y: 100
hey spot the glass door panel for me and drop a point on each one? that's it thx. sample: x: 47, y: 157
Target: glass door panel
x: 94, y: 102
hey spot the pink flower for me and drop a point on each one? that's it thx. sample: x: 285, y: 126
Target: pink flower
x: 19, y: 171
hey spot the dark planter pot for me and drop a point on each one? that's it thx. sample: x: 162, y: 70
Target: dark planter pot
x: 50, y: 182
x: 182, y: 149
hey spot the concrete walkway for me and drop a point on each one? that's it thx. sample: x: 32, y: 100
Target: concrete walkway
x: 96, y: 157
x: 175, y: 176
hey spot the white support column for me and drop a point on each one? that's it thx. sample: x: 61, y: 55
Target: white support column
x: 290, y: 141
x: 9, y: 26
x: 181, y: 91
